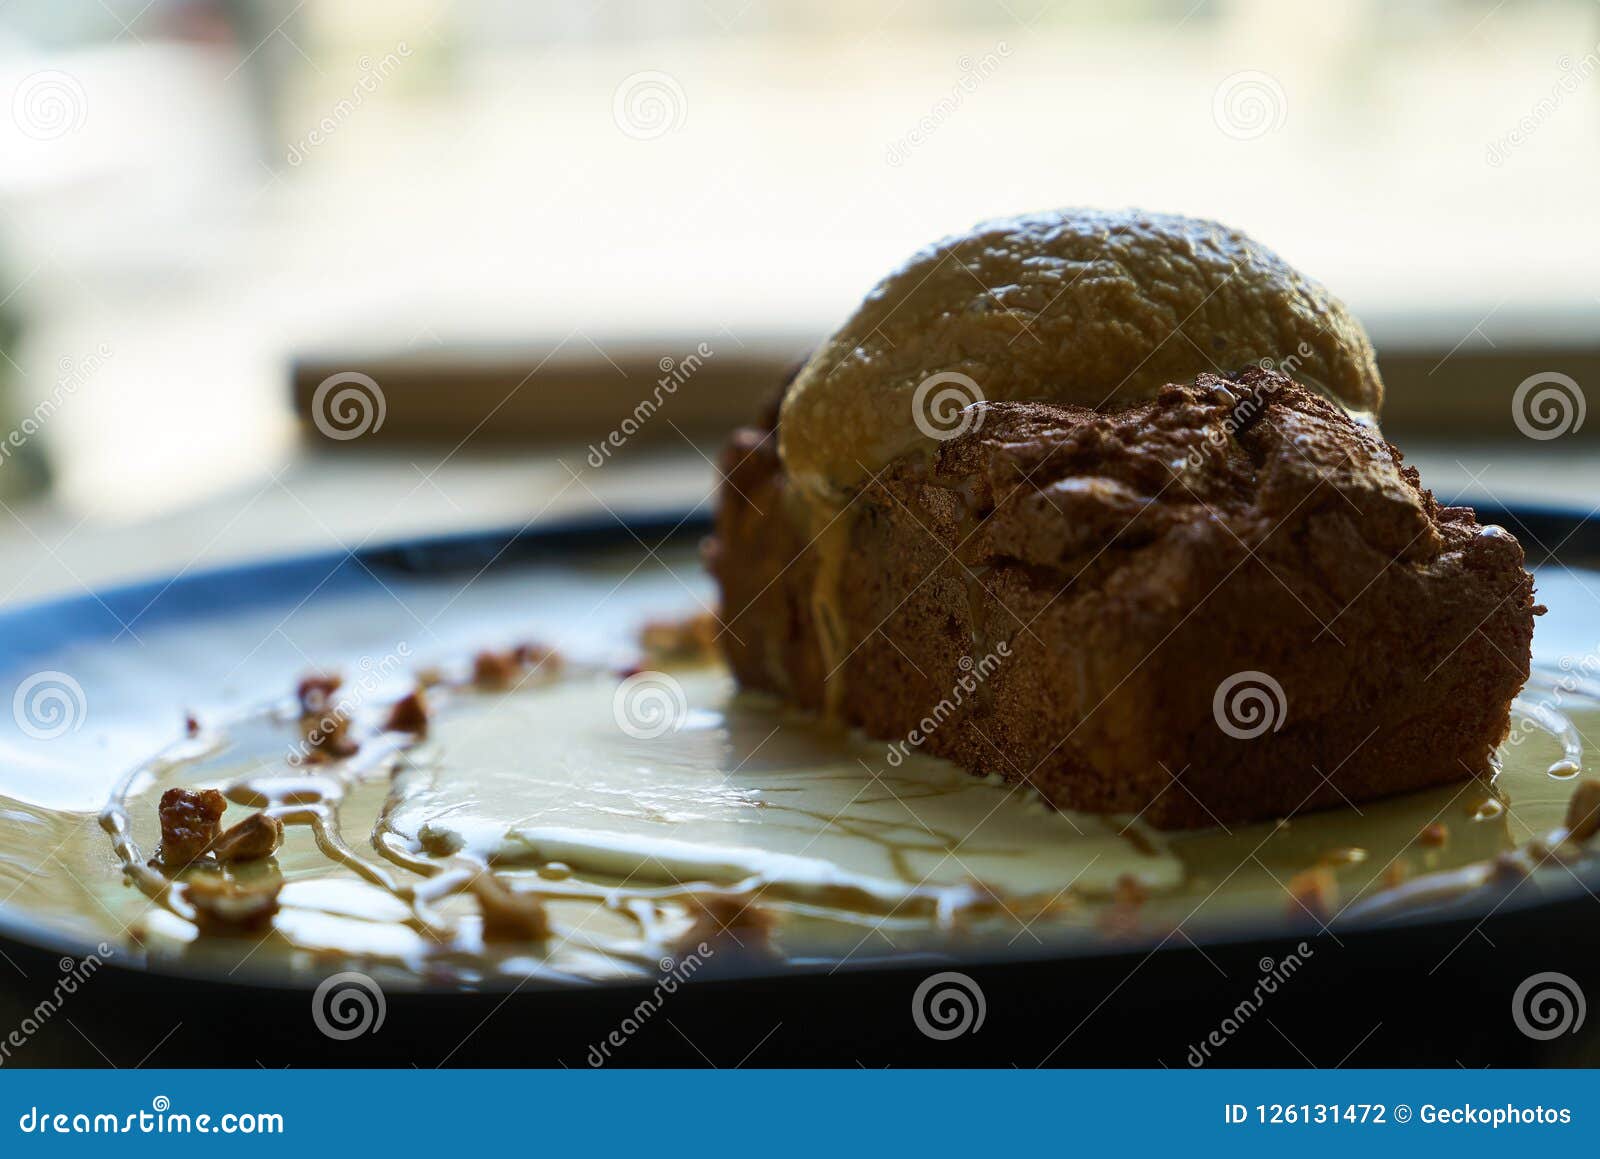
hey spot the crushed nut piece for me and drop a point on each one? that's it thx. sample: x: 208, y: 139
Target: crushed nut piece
x: 1434, y: 835
x: 190, y: 822
x: 191, y: 724
x: 327, y: 738
x: 731, y: 924
x: 409, y: 714
x: 1583, y: 810
x: 257, y: 836
x: 509, y: 915
x: 540, y: 656
x: 438, y: 842
x: 225, y: 907
x: 431, y: 677
x: 324, y: 727
x: 497, y: 671
x: 494, y: 670
x: 687, y: 638
x: 1314, y: 891
x: 315, y: 692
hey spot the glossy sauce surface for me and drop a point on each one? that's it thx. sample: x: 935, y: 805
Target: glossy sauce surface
x: 625, y: 836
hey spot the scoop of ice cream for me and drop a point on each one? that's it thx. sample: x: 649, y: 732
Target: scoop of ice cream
x: 1085, y: 307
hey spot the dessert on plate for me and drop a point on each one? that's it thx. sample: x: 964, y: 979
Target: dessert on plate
x: 1097, y: 502
x: 1152, y: 563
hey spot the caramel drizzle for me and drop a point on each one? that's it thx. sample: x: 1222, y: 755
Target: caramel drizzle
x: 298, y: 799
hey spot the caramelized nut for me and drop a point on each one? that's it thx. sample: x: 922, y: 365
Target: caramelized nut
x: 730, y: 924
x: 327, y: 737
x: 1314, y: 891
x: 439, y: 842
x: 509, y: 915
x: 538, y: 656
x: 324, y: 726
x: 497, y: 671
x: 1434, y: 835
x: 409, y: 714
x: 494, y: 671
x: 685, y: 639
x: 191, y: 820
x: 225, y: 907
x: 1583, y: 811
x: 257, y: 836
x: 315, y: 692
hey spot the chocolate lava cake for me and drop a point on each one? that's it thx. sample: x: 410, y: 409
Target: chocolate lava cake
x: 1228, y: 603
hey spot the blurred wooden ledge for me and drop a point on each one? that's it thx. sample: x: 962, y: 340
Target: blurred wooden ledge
x: 648, y: 393
x: 1470, y: 394
x: 662, y: 393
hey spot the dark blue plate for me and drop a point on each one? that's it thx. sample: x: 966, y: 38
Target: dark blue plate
x: 212, y: 641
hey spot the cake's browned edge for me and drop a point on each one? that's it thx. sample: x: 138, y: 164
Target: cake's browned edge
x: 1104, y: 574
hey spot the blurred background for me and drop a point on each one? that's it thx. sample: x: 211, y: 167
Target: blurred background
x: 498, y: 226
